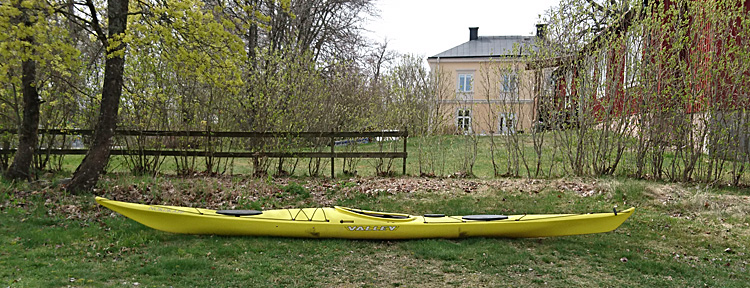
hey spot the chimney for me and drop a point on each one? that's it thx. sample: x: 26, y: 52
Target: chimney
x: 541, y: 31
x: 473, y: 33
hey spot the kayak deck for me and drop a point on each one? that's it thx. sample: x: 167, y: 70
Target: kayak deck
x: 343, y: 222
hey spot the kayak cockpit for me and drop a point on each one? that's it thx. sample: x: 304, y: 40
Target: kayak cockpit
x: 375, y: 214
x: 238, y: 213
x: 484, y: 217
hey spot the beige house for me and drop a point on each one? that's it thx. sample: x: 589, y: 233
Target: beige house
x: 483, y: 86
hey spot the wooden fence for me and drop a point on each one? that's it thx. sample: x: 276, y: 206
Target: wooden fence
x: 404, y: 135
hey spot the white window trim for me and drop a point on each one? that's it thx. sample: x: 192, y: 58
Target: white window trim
x: 601, y: 68
x: 502, y: 123
x: 458, y: 78
x: 513, y: 78
x: 633, y: 58
x: 568, y: 87
x: 464, y: 117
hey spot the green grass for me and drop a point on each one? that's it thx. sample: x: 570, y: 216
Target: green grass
x: 438, y: 155
x: 682, y: 235
x: 678, y: 237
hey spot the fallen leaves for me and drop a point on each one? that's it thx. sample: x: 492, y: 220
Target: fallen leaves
x: 231, y: 192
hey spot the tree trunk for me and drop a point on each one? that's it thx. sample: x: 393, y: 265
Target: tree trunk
x: 87, y: 174
x: 28, y: 138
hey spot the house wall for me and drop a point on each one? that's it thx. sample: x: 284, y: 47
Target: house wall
x: 487, y: 101
x: 712, y: 84
x: 730, y: 135
x: 706, y: 81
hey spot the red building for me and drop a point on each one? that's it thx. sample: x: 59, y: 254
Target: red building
x: 684, y: 63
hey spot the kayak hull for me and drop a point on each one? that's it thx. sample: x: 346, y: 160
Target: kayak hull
x: 342, y: 222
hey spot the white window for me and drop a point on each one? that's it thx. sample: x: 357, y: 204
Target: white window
x: 569, y: 84
x: 509, y: 83
x: 601, y: 89
x: 465, y: 82
x: 463, y: 119
x: 506, y: 123
x: 597, y: 73
x: 633, y: 58
x: 551, y: 83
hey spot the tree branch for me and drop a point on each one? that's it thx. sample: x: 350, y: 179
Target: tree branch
x: 99, y: 33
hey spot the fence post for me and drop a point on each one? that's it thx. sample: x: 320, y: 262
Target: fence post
x: 406, y: 135
x: 333, y: 158
x: 209, y: 160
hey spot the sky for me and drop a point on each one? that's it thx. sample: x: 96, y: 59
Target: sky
x: 426, y: 28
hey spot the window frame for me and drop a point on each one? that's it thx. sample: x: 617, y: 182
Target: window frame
x: 502, y: 123
x: 460, y: 87
x: 509, y: 78
x: 464, y: 120
x: 601, y: 73
x: 633, y: 57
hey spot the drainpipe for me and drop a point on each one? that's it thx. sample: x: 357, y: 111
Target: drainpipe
x: 437, y: 94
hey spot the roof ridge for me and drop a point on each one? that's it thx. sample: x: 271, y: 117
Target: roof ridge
x: 501, y: 45
x: 508, y: 36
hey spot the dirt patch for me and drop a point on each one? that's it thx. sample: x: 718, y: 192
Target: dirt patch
x: 409, y: 185
x: 585, y: 188
x: 717, y: 214
x: 664, y: 194
x: 733, y: 204
x: 698, y: 199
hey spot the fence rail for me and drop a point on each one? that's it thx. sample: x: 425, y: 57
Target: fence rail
x: 228, y: 134
x: 222, y: 134
x: 198, y: 153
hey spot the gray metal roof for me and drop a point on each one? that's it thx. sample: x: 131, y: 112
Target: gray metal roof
x: 491, y: 46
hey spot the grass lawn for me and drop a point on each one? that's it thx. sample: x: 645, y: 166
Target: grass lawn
x: 680, y: 235
x: 436, y: 155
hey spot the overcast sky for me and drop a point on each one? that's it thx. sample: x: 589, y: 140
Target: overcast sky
x: 426, y: 28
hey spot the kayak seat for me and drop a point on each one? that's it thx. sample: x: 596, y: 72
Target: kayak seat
x: 485, y: 217
x: 434, y: 215
x: 239, y: 213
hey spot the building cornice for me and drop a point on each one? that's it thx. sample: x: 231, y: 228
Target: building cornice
x: 436, y: 60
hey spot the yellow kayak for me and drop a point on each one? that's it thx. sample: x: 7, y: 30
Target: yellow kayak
x: 343, y: 222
